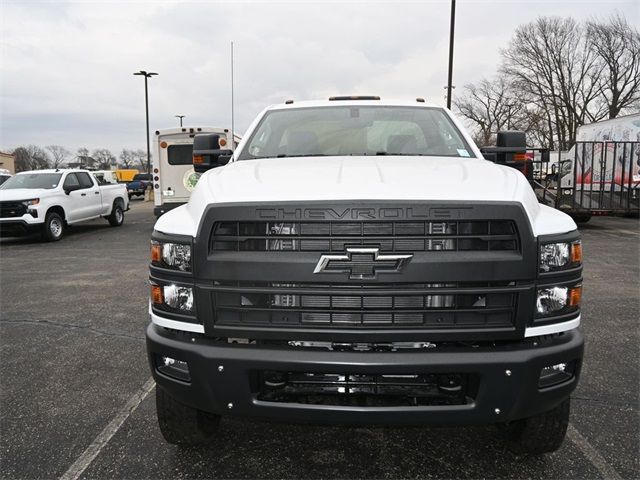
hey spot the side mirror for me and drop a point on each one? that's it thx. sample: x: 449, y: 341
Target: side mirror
x: 71, y: 188
x: 207, y: 153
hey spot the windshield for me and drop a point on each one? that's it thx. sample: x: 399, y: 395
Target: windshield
x: 32, y: 180
x: 356, y: 130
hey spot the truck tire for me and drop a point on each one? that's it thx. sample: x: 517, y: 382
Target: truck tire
x: 116, y: 218
x: 53, y: 228
x: 183, y: 425
x: 542, y: 433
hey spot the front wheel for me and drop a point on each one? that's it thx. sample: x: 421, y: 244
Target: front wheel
x: 181, y: 424
x: 53, y: 228
x: 117, y: 216
x: 542, y: 433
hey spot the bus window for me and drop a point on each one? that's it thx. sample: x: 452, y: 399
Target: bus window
x: 180, y: 154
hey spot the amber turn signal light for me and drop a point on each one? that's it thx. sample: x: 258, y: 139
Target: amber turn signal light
x: 576, y: 252
x: 156, y: 294
x: 575, y: 295
x: 198, y: 159
x: 156, y: 252
x: 222, y: 142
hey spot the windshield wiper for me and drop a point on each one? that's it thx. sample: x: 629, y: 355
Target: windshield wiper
x: 404, y: 154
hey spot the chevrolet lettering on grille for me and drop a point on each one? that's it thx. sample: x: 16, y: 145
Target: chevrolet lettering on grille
x: 362, y: 263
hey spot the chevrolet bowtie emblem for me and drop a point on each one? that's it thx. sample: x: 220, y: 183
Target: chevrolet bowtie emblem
x: 362, y: 263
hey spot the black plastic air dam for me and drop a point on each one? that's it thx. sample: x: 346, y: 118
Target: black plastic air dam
x: 225, y: 378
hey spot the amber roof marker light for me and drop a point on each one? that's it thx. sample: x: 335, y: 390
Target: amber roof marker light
x: 354, y: 97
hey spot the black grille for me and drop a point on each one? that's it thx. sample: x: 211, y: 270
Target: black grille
x: 398, y: 236
x: 435, y: 306
x: 364, y: 389
x: 12, y: 209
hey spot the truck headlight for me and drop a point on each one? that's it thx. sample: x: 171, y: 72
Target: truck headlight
x: 555, y: 300
x: 178, y: 297
x: 31, y: 202
x: 559, y: 256
x: 175, y: 297
x: 171, y: 255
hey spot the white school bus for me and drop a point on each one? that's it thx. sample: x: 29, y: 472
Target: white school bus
x: 173, y: 176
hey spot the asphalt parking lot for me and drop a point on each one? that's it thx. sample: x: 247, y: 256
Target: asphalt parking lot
x: 75, y: 396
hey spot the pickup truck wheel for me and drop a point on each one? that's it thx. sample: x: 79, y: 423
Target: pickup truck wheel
x: 53, y: 228
x: 183, y: 425
x: 117, y: 216
x: 542, y: 433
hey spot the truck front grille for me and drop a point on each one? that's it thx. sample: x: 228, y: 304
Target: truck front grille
x: 364, y: 390
x: 326, y: 236
x: 436, y: 306
x: 12, y: 209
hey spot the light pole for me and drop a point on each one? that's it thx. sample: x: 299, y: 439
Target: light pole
x: 180, y: 117
x: 146, y: 103
x: 451, y: 30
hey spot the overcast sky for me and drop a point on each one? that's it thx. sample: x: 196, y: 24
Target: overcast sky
x: 66, y: 75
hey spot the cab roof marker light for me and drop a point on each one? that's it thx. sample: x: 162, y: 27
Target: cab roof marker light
x: 354, y: 97
x: 420, y: 100
x: 288, y: 102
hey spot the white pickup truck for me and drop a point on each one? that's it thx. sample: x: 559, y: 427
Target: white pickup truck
x: 49, y: 200
x: 359, y: 261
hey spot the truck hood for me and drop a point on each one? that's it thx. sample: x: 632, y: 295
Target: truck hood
x: 359, y: 178
x: 362, y: 178
x: 21, y: 193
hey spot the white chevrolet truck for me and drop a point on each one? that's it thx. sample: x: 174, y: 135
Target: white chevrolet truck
x: 48, y: 201
x: 358, y: 261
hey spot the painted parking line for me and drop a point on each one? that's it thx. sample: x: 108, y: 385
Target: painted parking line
x: 591, y: 454
x: 92, y: 451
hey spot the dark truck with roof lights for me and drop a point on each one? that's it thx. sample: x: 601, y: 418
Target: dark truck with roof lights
x: 358, y: 261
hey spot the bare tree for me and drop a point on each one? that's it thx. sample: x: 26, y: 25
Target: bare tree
x: 490, y: 106
x: 552, y: 66
x: 58, y: 154
x: 31, y: 157
x: 127, y: 158
x: 104, y: 158
x: 617, y: 47
x: 141, y: 157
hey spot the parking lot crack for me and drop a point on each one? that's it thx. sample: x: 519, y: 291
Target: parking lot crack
x: 74, y: 327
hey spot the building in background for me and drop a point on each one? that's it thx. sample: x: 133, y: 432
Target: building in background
x: 8, y: 162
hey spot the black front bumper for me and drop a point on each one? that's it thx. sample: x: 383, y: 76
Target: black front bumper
x: 223, y: 378
x: 18, y: 228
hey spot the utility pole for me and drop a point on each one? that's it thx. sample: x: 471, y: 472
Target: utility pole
x: 180, y: 117
x: 147, y: 75
x: 232, y: 103
x: 451, y: 31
